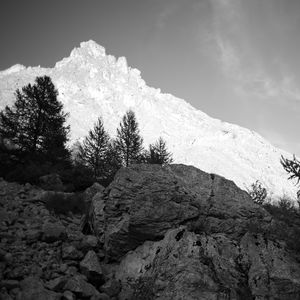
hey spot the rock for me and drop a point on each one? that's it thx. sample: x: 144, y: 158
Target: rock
x: 67, y: 295
x: 111, y: 287
x: 33, y: 235
x: 272, y: 272
x: 57, y: 284
x: 91, y: 268
x: 32, y: 288
x: 185, y: 265
x: 70, y: 252
x: 51, y: 182
x: 89, y: 242
x: 72, y: 270
x: 94, y: 221
x: 9, y: 284
x: 90, y: 192
x: 144, y: 201
x: 63, y: 268
x: 80, y: 287
x: 53, y: 232
x: 102, y: 296
x: 8, y: 258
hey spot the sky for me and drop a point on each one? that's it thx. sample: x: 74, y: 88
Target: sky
x: 236, y: 60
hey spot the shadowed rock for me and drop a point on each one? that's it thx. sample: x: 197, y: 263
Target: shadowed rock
x: 144, y: 201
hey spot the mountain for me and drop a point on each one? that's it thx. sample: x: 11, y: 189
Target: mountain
x: 92, y: 83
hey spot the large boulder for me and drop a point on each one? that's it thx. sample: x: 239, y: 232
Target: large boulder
x: 144, y: 201
x: 185, y: 265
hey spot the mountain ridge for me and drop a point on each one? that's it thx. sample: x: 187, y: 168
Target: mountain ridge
x: 92, y: 84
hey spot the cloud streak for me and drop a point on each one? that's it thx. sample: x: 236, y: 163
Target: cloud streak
x: 239, y: 60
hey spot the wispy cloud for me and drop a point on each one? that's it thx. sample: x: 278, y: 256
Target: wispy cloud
x: 239, y: 63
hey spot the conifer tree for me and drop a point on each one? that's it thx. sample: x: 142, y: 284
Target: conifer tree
x: 128, y: 141
x: 94, y: 150
x: 35, y: 124
x: 158, y: 153
x: 292, y: 167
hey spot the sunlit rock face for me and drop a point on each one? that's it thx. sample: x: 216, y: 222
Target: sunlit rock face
x: 92, y: 84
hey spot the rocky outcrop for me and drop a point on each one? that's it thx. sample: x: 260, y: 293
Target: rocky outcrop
x: 185, y: 265
x: 180, y: 233
x: 145, y: 201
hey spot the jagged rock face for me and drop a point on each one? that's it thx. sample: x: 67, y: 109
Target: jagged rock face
x: 185, y: 265
x: 180, y: 233
x: 144, y: 201
x: 91, y: 83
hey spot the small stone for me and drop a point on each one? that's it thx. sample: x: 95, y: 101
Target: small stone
x: 27, y: 186
x: 33, y: 235
x: 67, y: 295
x: 102, y: 296
x: 63, y: 268
x: 70, y: 252
x: 72, y: 270
x: 89, y: 242
x: 57, y: 284
x: 112, y: 287
x: 91, y: 268
x: 8, y: 258
x: 80, y: 287
x: 53, y: 232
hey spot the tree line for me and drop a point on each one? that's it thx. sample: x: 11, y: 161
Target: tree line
x: 34, y: 136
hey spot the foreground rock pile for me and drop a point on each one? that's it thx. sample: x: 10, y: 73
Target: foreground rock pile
x: 156, y: 232
x: 43, y: 256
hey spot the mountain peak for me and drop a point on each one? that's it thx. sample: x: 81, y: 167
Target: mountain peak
x: 88, y: 48
x: 93, y: 84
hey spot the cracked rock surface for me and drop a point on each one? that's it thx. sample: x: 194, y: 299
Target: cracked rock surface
x: 155, y: 232
x: 176, y: 232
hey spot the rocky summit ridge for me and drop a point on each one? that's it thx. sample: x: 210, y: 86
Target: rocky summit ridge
x: 92, y: 84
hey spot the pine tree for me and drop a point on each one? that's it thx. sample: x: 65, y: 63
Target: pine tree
x: 158, y: 153
x: 129, y: 142
x: 35, y: 124
x: 292, y: 167
x: 93, y: 151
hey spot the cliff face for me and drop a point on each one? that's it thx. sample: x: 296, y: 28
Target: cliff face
x: 92, y: 84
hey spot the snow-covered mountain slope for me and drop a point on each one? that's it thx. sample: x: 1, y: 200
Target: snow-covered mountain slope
x: 92, y: 84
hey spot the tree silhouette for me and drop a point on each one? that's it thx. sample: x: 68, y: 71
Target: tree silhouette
x: 35, y: 124
x: 93, y: 151
x: 128, y: 142
x: 292, y: 167
x: 158, y: 153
